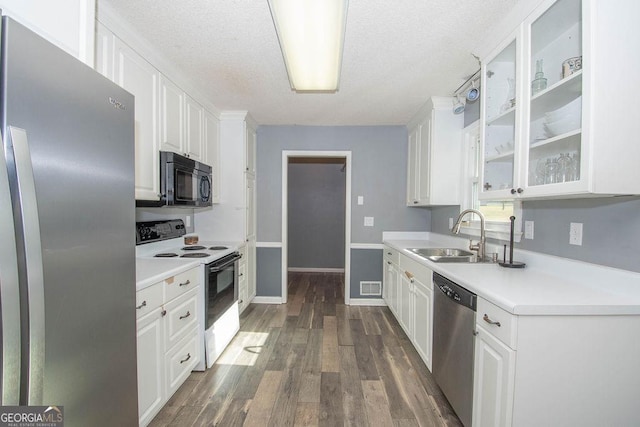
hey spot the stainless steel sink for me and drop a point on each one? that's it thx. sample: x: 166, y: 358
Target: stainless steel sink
x: 445, y: 254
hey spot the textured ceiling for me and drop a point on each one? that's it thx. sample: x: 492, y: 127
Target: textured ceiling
x: 396, y: 55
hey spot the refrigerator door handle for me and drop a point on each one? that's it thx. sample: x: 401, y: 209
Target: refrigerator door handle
x: 34, y: 371
x: 9, y: 294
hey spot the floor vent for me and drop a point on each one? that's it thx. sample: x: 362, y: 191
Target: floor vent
x: 370, y: 288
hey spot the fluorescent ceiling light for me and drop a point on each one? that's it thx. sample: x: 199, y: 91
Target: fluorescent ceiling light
x: 311, y: 34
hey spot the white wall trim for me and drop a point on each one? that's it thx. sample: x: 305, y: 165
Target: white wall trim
x: 377, y: 302
x: 315, y: 270
x: 347, y: 226
x: 367, y: 246
x: 268, y: 244
x: 267, y: 300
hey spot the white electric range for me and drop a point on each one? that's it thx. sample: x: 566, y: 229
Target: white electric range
x: 218, y: 294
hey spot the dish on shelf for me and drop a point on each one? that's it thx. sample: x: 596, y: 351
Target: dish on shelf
x: 573, y: 108
x: 562, y: 125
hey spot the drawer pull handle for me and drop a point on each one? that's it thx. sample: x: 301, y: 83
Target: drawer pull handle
x: 241, y: 274
x: 389, y: 253
x: 188, y: 282
x: 144, y: 304
x: 489, y: 321
x: 185, y: 316
x: 184, y: 360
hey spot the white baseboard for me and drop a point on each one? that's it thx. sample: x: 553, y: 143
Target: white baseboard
x: 315, y: 270
x: 378, y: 302
x: 267, y: 300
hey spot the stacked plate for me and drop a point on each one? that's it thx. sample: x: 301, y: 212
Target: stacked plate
x: 564, y: 119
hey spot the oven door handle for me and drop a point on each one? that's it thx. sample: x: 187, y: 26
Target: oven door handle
x: 218, y: 268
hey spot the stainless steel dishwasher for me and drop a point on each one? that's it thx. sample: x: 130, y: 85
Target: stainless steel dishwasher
x: 453, y: 342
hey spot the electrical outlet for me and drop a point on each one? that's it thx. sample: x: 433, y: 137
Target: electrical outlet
x: 368, y: 221
x: 528, y: 229
x: 361, y: 200
x: 450, y: 223
x: 575, y: 233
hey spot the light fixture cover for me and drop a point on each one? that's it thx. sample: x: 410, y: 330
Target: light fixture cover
x: 311, y: 35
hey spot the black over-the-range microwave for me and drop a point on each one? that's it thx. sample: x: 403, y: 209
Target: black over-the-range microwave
x: 183, y: 182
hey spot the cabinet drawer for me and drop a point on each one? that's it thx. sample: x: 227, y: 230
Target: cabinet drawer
x: 182, y: 316
x: 181, y: 360
x: 422, y: 273
x: 391, y: 254
x: 181, y: 283
x: 498, y: 322
x: 148, y: 299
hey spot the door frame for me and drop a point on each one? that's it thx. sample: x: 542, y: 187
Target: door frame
x: 286, y: 154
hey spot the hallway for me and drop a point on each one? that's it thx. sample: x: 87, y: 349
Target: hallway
x: 313, y: 362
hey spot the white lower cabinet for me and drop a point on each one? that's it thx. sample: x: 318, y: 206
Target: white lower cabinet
x: 422, y: 308
x: 150, y: 365
x: 168, y: 339
x: 408, y: 292
x: 493, y: 381
x: 243, y: 286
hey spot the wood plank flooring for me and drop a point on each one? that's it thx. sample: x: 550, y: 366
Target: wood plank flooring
x: 313, y: 362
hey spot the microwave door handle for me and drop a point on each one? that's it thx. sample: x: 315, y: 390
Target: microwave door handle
x: 33, y: 253
x: 205, y: 188
x: 9, y: 295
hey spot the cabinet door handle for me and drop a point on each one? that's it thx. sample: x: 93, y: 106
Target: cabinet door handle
x: 389, y: 253
x: 489, y: 321
x: 144, y: 304
x: 187, y: 358
x: 188, y: 282
x: 519, y: 190
x: 389, y: 262
x: 163, y: 312
x: 185, y: 316
x: 513, y: 191
x: 415, y: 202
x: 241, y: 274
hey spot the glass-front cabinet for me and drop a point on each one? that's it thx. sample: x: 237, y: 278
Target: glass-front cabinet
x: 501, y: 126
x: 554, y: 117
x: 532, y: 120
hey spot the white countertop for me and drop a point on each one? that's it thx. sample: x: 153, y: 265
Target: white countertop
x: 154, y: 270
x: 547, y: 286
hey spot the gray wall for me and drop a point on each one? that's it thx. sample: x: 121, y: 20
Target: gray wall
x: 379, y: 164
x: 316, y: 215
x: 611, y: 229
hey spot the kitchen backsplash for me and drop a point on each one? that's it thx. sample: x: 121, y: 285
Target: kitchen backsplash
x: 611, y: 227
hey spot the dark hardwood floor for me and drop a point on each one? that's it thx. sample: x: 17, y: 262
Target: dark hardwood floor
x: 313, y: 362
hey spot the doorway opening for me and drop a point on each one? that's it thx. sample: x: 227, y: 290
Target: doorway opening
x: 316, y: 215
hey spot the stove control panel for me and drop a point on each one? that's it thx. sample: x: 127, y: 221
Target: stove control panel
x: 155, y: 231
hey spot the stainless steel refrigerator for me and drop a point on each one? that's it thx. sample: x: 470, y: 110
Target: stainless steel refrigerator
x: 67, y: 240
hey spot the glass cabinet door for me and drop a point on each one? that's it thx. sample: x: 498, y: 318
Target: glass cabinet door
x: 555, y: 111
x: 499, y: 110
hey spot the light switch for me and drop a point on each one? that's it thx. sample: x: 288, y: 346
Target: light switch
x: 450, y: 223
x: 361, y: 200
x: 368, y: 221
x: 187, y: 221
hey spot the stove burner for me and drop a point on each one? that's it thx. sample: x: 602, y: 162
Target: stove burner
x: 195, y: 255
x: 166, y: 255
x: 218, y: 248
x: 193, y: 248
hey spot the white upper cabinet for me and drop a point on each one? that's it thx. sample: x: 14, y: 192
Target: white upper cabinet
x: 435, y: 147
x: 194, y: 140
x: 118, y: 62
x: 211, y: 129
x: 250, y: 161
x: 140, y: 78
x: 555, y: 121
x: 172, y: 100
x: 69, y: 24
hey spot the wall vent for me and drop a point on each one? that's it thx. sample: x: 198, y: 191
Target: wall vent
x: 370, y: 288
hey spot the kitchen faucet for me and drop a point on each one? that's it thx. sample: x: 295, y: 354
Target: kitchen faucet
x: 480, y: 246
